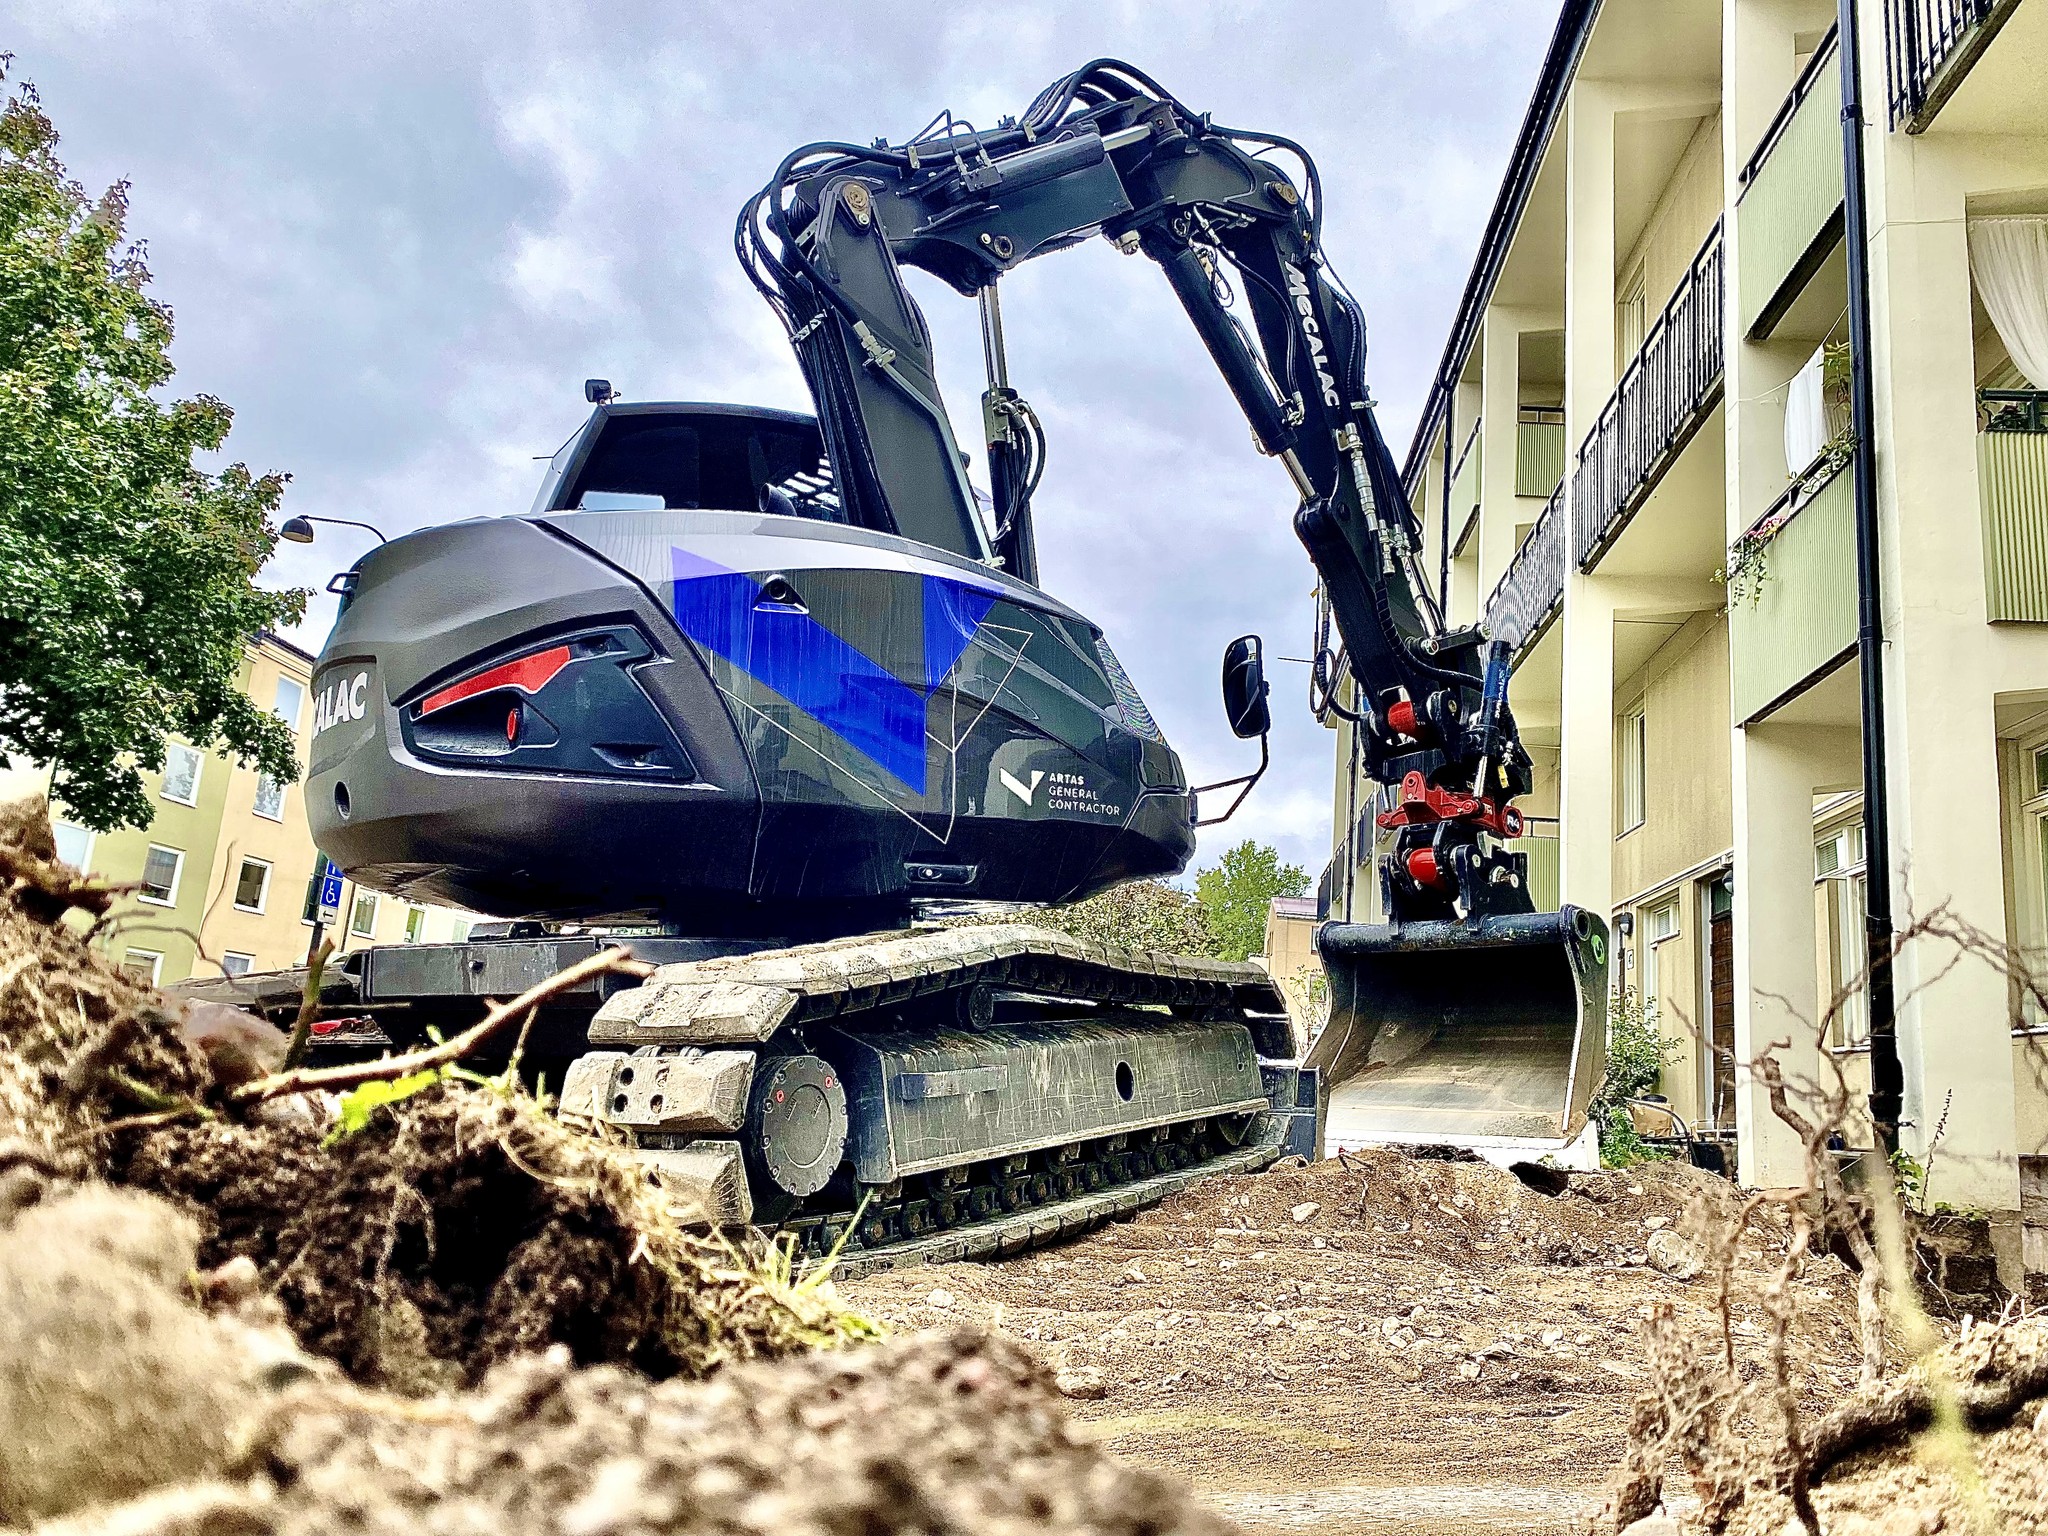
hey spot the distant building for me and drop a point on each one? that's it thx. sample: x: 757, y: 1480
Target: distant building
x: 1290, y: 958
x: 224, y: 871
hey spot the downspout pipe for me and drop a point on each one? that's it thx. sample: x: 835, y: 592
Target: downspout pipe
x: 1443, y: 590
x: 1887, y: 1078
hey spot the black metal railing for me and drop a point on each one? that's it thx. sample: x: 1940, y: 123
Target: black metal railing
x: 1921, y: 38
x: 2012, y: 410
x: 1664, y: 393
x: 1533, y: 584
x: 1823, y: 60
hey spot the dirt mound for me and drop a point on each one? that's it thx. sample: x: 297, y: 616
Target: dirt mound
x: 1384, y: 1320
x: 460, y: 1227
x: 129, y: 1406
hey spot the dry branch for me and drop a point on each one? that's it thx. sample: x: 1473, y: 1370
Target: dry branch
x: 309, y: 1004
x: 314, y: 1079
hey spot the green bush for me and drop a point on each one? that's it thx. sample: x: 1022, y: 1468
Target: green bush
x: 1636, y: 1053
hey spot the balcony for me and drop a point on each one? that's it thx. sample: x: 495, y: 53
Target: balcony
x: 1797, y: 618
x: 1664, y: 394
x: 1539, y: 449
x: 1929, y: 48
x: 1533, y: 586
x: 1788, y: 216
x: 2012, y: 489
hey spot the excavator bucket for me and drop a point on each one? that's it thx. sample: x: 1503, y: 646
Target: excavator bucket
x: 1443, y: 1033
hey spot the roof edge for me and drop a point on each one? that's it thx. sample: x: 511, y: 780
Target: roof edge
x: 1546, y: 105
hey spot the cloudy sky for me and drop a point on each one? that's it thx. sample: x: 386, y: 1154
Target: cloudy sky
x: 398, y: 237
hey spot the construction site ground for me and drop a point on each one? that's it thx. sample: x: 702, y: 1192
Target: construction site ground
x: 1382, y: 1342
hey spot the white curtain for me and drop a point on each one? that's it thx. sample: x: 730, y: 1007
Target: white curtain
x: 1806, y: 416
x: 2009, y: 260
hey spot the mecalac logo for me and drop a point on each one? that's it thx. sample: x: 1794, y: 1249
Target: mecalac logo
x: 1312, y: 332
x: 344, y: 699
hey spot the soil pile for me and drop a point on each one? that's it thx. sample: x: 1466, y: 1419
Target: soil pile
x: 1382, y: 1322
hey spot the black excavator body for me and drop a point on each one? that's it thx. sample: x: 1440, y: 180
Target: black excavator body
x: 648, y: 700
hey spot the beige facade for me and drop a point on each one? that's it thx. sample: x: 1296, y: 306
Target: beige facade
x: 225, y: 867
x: 1643, y: 428
x: 1290, y: 959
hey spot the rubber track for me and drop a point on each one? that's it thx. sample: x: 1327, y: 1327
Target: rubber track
x: 1003, y: 1236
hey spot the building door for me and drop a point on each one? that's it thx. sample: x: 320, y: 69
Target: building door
x: 1720, y: 1074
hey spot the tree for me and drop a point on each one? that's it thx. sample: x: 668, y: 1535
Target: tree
x: 127, y: 591
x: 1237, y: 892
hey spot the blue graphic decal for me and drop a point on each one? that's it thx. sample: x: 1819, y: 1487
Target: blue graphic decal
x: 853, y: 696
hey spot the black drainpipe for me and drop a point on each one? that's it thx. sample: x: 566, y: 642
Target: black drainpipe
x: 1887, y: 1079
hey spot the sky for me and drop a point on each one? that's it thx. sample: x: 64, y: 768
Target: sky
x: 397, y: 238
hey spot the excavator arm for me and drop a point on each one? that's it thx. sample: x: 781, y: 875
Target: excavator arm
x: 1107, y: 151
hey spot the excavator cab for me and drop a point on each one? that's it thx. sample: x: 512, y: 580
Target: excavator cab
x: 1489, y: 1035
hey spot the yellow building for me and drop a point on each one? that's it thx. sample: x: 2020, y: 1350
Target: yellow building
x: 1290, y: 958
x: 1641, y: 417
x: 223, y: 872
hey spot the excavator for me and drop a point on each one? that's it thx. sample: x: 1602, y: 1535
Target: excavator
x: 759, y: 694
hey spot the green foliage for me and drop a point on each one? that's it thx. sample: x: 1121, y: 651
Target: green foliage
x: 356, y: 1106
x: 1636, y: 1053
x: 1237, y: 891
x: 127, y: 588
x: 1143, y: 915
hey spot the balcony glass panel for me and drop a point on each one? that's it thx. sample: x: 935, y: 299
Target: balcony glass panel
x: 1539, y: 456
x: 2012, y: 488
x: 1790, y: 215
x: 1802, y: 618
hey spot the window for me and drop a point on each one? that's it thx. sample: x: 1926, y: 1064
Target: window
x: 290, y: 701
x: 74, y: 844
x: 143, y: 965
x: 181, y: 773
x: 232, y: 964
x: 252, y: 886
x: 459, y: 930
x: 1659, y: 924
x: 415, y: 923
x: 1633, y: 790
x: 269, y: 798
x: 1631, y: 316
x: 362, y: 922
x: 1838, y: 869
x: 160, y: 868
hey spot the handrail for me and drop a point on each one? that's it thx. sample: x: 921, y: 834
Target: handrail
x: 1533, y: 583
x: 1801, y: 88
x: 2012, y: 410
x: 1655, y: 406
x: 1920, y: 37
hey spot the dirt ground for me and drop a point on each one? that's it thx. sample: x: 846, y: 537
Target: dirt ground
x: 1378, y: 1343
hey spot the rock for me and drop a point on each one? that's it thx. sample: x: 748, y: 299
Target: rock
x: 1616, y: 1368
x: 1550, y: 1336
x: 1469, y: 1369
x: 1272, y: 1320
x: 232, y: 1283
x: 1657, y: 1221
x: 1389, y: 1327
x: 1133, y: 1275
x: 942, y: 1299
x: 1657, y: 1523
x: 1304, y: 1211
x: 1084, y: 1383
x: 1675, y: 1254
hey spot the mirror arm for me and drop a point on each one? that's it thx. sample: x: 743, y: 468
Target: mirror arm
x: 1247, y: 780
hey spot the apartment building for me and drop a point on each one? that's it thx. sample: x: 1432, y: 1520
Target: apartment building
x: 223, y: 873
x: 1635, y: 466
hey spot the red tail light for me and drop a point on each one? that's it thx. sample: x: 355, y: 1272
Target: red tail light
x: 529, y: 674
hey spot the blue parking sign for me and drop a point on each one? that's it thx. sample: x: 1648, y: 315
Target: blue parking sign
x: 330, y: 890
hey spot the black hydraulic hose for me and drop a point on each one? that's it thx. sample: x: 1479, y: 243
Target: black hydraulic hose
x: 1887, y: 1077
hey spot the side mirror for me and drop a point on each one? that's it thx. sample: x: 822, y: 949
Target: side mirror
x: 1245, y: 690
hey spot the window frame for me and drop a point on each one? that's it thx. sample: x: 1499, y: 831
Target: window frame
x: 263, y: 895
x: 198, y: 773
x: 286, y: 680
x: 355, y: 911
x: 155, y: 957
x: 1845, y: 887
x: 1632, y: 771
x: 256, y: 801
x: 177, y: 877
x: 58, y: 827
x: 415, y: 924
x: 248, y: 962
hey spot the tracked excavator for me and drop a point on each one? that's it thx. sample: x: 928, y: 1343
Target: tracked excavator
x: 755, y: 692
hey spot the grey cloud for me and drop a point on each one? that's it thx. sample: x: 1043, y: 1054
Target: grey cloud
x: 397, y: 239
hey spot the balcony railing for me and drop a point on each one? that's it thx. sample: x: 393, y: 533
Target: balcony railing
x: 1534, y: 583
x: 1663, y: 396
x: 1823, y: 60
x: 1929, y: 45
x: 2012, y: 410
x: 2012, y: 488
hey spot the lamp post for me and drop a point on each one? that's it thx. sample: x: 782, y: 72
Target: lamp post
x: 300, y: 529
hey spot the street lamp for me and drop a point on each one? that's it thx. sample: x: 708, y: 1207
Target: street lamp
x: 300, y: 529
